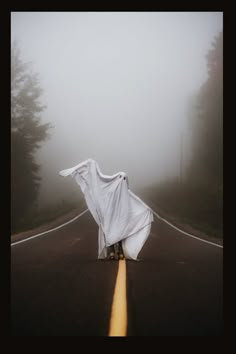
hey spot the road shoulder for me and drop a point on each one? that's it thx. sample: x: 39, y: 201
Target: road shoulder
x: 45, y: 227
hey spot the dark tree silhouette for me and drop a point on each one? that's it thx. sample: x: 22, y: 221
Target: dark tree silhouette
x: 207, y: 162
x: 27, y: 133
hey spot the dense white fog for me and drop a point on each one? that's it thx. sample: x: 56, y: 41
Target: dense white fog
x: 117, y: 87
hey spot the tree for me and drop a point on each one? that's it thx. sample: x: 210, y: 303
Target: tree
x: 207, y: 162
x: 27, y: 132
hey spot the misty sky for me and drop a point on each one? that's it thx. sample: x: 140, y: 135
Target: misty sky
x: 117, y: 86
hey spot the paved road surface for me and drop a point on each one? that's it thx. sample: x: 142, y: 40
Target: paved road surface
x: 59, y: 288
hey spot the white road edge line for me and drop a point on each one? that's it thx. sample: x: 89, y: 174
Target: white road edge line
x: 45, y: 232
x: 183, y: 232
x: 83, y: 212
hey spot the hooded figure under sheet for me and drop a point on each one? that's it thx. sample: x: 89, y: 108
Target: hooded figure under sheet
x: 119, y: 213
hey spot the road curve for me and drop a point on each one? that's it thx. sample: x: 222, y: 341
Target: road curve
x: 176, y: 287
x: 58, y: 287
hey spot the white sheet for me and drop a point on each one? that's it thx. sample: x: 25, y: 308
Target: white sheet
x: 119, y: 213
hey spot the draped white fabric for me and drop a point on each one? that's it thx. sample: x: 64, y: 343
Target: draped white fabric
x: 119, y: 213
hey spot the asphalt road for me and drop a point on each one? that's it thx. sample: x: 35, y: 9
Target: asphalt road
x: 59, y: 288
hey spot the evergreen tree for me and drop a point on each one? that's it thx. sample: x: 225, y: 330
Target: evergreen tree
x: 207, y: 162
x: 27, y: 132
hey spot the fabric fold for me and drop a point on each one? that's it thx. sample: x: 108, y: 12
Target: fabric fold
x: 118, y: 212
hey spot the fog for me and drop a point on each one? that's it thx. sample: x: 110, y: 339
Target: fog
x: 117, y: 87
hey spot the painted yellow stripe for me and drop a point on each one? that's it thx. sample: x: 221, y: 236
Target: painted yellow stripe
x: 118, y: 321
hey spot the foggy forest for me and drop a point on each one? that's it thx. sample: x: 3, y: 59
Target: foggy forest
x: 139, y: 92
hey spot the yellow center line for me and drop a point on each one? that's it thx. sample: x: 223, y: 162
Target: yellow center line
x: 118, y: 321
